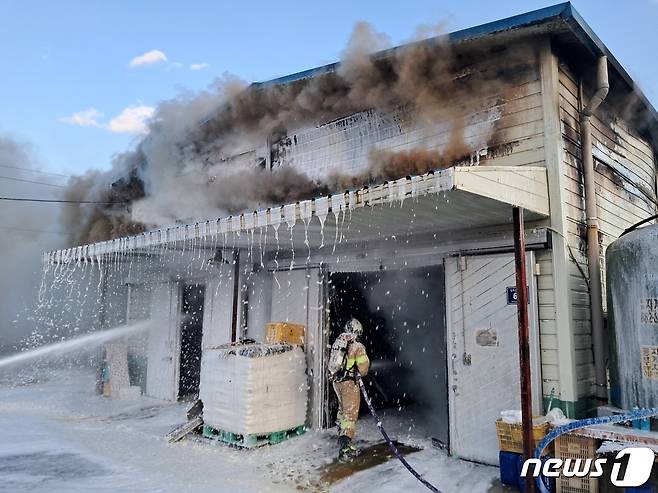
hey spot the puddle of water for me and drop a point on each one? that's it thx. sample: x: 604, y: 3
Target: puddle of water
x: 43, y: 467
x: 369, y: 457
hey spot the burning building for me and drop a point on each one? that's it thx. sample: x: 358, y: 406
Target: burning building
x: 382, y: 187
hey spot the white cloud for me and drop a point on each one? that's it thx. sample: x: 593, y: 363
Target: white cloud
x: 148, y: 58
x: 131, y: 120
x: 175, y: 66
x: 199, y: 66
x: 84, y: 118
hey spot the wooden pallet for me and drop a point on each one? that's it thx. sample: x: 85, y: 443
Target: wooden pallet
x: 251, y: 441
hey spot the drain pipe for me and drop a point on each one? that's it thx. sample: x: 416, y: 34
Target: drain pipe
x: 593, y: 250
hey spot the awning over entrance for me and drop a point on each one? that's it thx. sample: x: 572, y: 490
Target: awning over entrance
x: 457, y: 198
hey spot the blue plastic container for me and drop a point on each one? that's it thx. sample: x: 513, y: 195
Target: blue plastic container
x: 509, y: 468
x: 550, y: 482
x: 645, y: 488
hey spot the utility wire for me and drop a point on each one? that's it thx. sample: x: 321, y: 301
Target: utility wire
x: 31, y: 181
x: 55, y: 201
x: 571, y: 254
x: 33, y: 230
x: 34, y: 171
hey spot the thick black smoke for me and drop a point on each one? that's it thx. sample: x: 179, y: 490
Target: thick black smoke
x: 202, y: 153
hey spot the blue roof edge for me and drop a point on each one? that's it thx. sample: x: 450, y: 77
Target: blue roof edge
x: 564, y: 12
x: 515, y: 22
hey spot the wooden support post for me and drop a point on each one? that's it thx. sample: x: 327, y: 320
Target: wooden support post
x: 524, y: 345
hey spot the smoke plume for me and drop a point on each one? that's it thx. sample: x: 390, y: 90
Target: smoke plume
x: 27, y: 229
x: 206, y: 155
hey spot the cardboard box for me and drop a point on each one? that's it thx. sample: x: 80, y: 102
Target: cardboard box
x: 285, y: 332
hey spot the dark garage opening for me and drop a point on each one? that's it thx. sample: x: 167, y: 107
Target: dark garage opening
x: 403, y: 315
x: 193, y: 296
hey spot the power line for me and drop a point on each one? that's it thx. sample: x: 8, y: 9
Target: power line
x: 34, y: 170
x: 55, y: 201
x: 33, y: 230
x: 31, y: 181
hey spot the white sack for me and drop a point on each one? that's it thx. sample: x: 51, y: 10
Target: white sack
x: 254, y: 389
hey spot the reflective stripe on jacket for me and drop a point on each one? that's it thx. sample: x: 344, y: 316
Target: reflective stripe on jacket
x: 356, y: 355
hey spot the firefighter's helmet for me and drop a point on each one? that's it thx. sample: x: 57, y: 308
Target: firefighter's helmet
x: 353, y: 326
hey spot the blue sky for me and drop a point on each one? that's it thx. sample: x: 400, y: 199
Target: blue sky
x: 60, y: 58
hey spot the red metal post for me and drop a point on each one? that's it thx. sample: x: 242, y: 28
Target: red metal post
x: 524, y: 345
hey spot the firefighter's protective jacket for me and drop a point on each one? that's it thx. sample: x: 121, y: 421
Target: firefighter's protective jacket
x: 356, y: 356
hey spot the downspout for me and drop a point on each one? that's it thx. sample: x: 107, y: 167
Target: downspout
x: 593, y: 250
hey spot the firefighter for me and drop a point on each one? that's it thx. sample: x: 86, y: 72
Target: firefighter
x: 347, y: 356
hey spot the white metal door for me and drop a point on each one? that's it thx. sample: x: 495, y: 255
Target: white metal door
x: 483, y: 350
x: 298, y: 297
x: 218, y: 308
x: 162, y: 372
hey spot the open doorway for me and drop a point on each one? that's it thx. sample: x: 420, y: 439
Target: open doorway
x: 403, y: 315
x: 192, y: 302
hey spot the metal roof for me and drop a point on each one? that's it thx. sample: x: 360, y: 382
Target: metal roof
x: 452, y: 199
x: 562, y: 19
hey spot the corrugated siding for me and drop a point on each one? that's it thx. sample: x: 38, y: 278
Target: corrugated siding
x: 508, y: 125
x: 547, y: 325
x: 620, y: 204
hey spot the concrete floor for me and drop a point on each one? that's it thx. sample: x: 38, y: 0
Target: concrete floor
x: 57, y: 436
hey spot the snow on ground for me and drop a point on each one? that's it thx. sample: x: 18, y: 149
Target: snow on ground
x: 58, y: 436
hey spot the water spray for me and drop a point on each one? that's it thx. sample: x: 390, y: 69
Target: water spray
x: 86, y: 341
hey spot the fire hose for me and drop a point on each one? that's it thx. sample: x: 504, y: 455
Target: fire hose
x: 582, y: 423
x: 390, y: 443
x: 556, y: 432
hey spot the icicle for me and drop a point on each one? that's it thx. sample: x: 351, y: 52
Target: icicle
x: 290, y: 215
x: 249, y: 225
x: 274, y: 219
x: 213, y: 245
x: 276, y: 238
x: 388, y: 192
x: 235, y: 224
x: 261, y: 221
x: 306, y: 213
x: 337, y: 208
x: 44, y: 274
x: 69, y: 279
x: 321, y: 211
x: 260, y: 246
x: 198, y: 239
x: 351, y: 205
x: 416, y: 184
x: 403, y: 187
x: 100, y: 274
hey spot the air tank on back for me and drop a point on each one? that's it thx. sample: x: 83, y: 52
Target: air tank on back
x: 632, y: 293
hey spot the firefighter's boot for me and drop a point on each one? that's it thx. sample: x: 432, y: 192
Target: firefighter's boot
x: 346, y: 451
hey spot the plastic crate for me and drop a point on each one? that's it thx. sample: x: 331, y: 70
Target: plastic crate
x: 570, y: 446
x: 284, y: 332
x: 510, y: 436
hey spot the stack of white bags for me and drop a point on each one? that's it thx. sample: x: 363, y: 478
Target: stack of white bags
x: 253, y: 389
